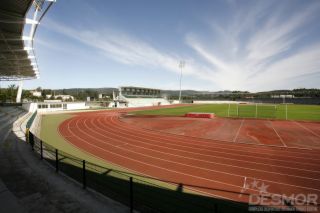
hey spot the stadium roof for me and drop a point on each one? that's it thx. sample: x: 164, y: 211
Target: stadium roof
x: 17, y: 60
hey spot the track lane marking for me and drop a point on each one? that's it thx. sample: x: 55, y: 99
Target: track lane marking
x: 136, y: 160
x: 237, y: 134
x: 277, y: 134
x: 180, y: 138
x: 211, y: 151
x: 161, y: 159
x: 180, y: 156
x: 157, y: 141
x: 152, y: 165
x: 191, y: 188
x: 143, y: 134
x: 309, y: 130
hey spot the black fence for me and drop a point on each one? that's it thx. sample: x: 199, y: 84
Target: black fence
x: 138, y: 192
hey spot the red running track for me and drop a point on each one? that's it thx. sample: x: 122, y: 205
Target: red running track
x: 254, y: 131
x: 210, y: 167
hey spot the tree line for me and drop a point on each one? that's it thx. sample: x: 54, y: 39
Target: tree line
x: 9, y: 94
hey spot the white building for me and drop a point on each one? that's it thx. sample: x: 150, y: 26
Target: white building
x: 64, y: 97
x: 102, y: 96
x: 53, y: 106
x: 48, y: 96
x: 36, y: 93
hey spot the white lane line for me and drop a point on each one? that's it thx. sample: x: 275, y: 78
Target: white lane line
x: 124, y: 144
x: 179, y: 156
x: 190, y: 175
x: 244, y: 182
x: 183, y: 164
x: 124, y: 156
x: 309, y: 130
x: 142, y: 162
x: 169, y: 135
x: 141, y: 173
x: 236, y: 136
x: 123, y: 129
x: 205, y: 155
x: 277, y: 134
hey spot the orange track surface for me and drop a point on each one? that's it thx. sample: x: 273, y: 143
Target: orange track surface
x: 211, y: 167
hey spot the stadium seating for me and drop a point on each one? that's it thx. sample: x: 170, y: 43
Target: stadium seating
x: 8, y: 115
x: 140, y: 102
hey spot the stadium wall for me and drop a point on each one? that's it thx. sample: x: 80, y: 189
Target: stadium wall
x: 35, y: 127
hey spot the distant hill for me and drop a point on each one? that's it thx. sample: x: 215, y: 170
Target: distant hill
x: 109, y: 90
x: 72, y: 91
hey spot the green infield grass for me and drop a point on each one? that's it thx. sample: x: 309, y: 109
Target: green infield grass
x: 269, y: 111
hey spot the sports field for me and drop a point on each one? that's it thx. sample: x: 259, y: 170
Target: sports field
x: 258, y: 150
x: 280, y: 111
x: 113, y: 179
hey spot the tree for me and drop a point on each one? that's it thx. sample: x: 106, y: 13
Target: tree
x: 46, y: 92
x: 26, y: 94
x: 12, y: 92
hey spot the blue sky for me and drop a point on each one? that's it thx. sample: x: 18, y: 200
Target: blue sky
x: 238, y: 45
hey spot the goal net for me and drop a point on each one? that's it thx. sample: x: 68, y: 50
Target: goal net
x: 256, y: 110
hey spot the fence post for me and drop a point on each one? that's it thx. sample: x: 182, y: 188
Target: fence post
x: 229, y: 110
x: 84, y: 183
x: 238, y: 110
x: 215, y: 208
x: 256, y: 110
x: 41, y: 150
x: 27, y: 135
x: 131, y: 195
x: 286, y: 111
x: 57, y: 161
x: 31, y: 140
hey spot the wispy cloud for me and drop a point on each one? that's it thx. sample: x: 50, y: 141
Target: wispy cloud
x: 129, y: 50
x: 260, y: 49
x: 257, y: 48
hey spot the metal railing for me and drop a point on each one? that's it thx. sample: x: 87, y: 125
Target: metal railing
x: 142, y: 193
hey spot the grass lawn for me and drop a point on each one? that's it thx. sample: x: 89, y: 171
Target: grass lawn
x: 50, y: 135
x: 294, y: 112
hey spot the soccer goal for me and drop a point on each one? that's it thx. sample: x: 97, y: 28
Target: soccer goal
x: 253, y: 110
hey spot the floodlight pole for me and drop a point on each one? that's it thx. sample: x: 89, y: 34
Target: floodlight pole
x: 181, y: 65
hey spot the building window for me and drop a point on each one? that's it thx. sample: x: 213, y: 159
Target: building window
x: 42, y: 106
x: 55, y: 106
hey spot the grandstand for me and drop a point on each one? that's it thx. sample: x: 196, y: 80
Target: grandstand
x: 17, y: 56
x: 129, y: 96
